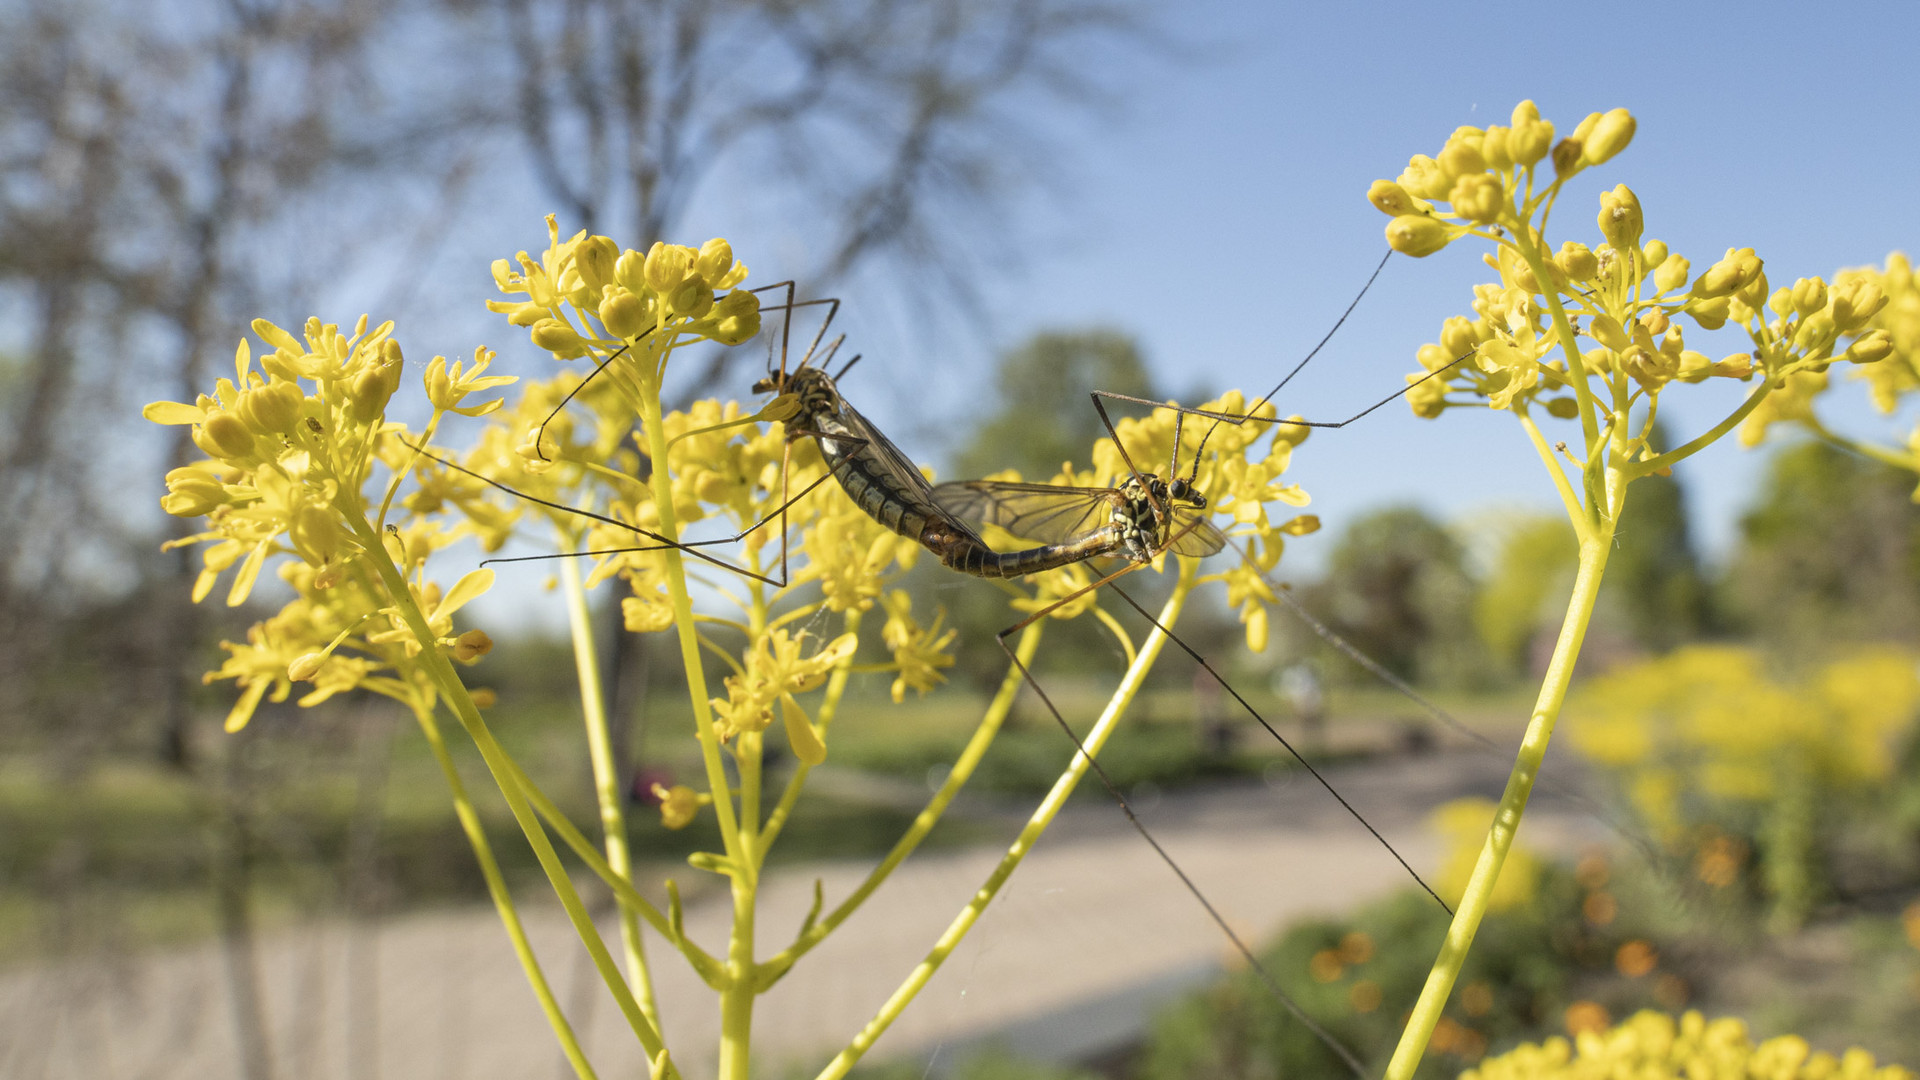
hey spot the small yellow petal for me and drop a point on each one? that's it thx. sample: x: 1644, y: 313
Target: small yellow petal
x: 800, y: 732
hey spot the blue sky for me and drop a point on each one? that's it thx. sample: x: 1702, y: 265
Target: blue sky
x: 1218, y: 214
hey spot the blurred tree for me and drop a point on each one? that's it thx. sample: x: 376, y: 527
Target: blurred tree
x: 1042, y: 415
x: 1526, y: 588
x: 1398, y: 589
x: 1830, y: 554
x: 892, y: 125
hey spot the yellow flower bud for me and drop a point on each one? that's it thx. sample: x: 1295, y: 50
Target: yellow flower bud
x: 1738, y: 267
x: 1710, y: 314
x: 471, y: 646
x: 556, y: 337
x: 1620, y: 219
x: 192, y: 493
x: 1528, y: 142
x: 1427, y: 398
x: 225, y: 436
x: 1694, y: 367
x: 371, y: 391
x: 1417, y: 235
x: 1607, y: 330
x: 1493, y: 147
x: 1754, y: 293
x: 1425, y: 179
x: 1563, y: 408
x: 1391, y: 199
x: 316, y: 534
x: 1457, y: 339
x: 1656, y: 321
x: 1856, y: 302
x: 1577, y: 261
x: 440, y: 386
x: 594, y: 259
x: 1809, y: 295
x: 1567, y: 154
x: 1609, y: 135
x: 305, y: 667
x: 1781, y: 302
x: 1672, y: 273
x: 623, y: 314
x: 1737, y: 366
x: 1257, y: 629
x: 679, y: 805
x: 630, y: 271
x: 1525, y: 113
x: 1816, y: 333
x: 518, y: 313
x: 694, y: 298
x: 735, y: 318
x: 1461, y: 156
x: 1653, y: 253
x: 272, y: 409
x: 715, y: 259
x: 1478, y: 198
x: 1872, y: 347
x: 800, y: 732
x: 667, y: 267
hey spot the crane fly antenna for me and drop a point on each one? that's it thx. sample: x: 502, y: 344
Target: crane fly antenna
x: 842, y: 373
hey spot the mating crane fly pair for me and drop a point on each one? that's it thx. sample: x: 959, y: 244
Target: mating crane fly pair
x: 1146, y: 515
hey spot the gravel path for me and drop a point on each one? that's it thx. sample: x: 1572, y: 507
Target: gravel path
x: 1091, y: 933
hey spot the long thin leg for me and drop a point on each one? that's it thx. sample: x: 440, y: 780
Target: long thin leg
x: 1253, y: 962
x: 1271, y: 730
x: 691, y: 547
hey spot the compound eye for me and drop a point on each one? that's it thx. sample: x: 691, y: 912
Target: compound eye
x: 1180, y: 490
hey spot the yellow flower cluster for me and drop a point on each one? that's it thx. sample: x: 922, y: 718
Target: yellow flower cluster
x: 291, y: 448
x: 1652, y: 1046
x: 586, y: 280
x: 1707, y: 723
x: 1625, y: 295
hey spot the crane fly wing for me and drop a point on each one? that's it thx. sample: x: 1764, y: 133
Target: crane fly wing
x: 1042, y: 513
x: 1199, y: 541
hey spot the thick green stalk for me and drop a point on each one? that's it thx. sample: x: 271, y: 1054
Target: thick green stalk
x: 1042, y: 816
x: 661, y: 481
x: 736, y: 993
x: 1513, y: 802
x: 606, y: 782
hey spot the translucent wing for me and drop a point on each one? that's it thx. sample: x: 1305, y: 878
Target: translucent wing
x: 1042, y: 513
x: 1199, y: 541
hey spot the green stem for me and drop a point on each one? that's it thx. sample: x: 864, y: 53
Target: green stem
x: 1506, y: 820
x: 661, y: 481
x: 606, y: 781
x: 1569, y: 341
x: 963, y: 767
x: 1568, y: 498
x: 1042, y: 816
x: 434, y: 663
x: 502, y: 898
x: 1655, y: 464
x: 707, y: 967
